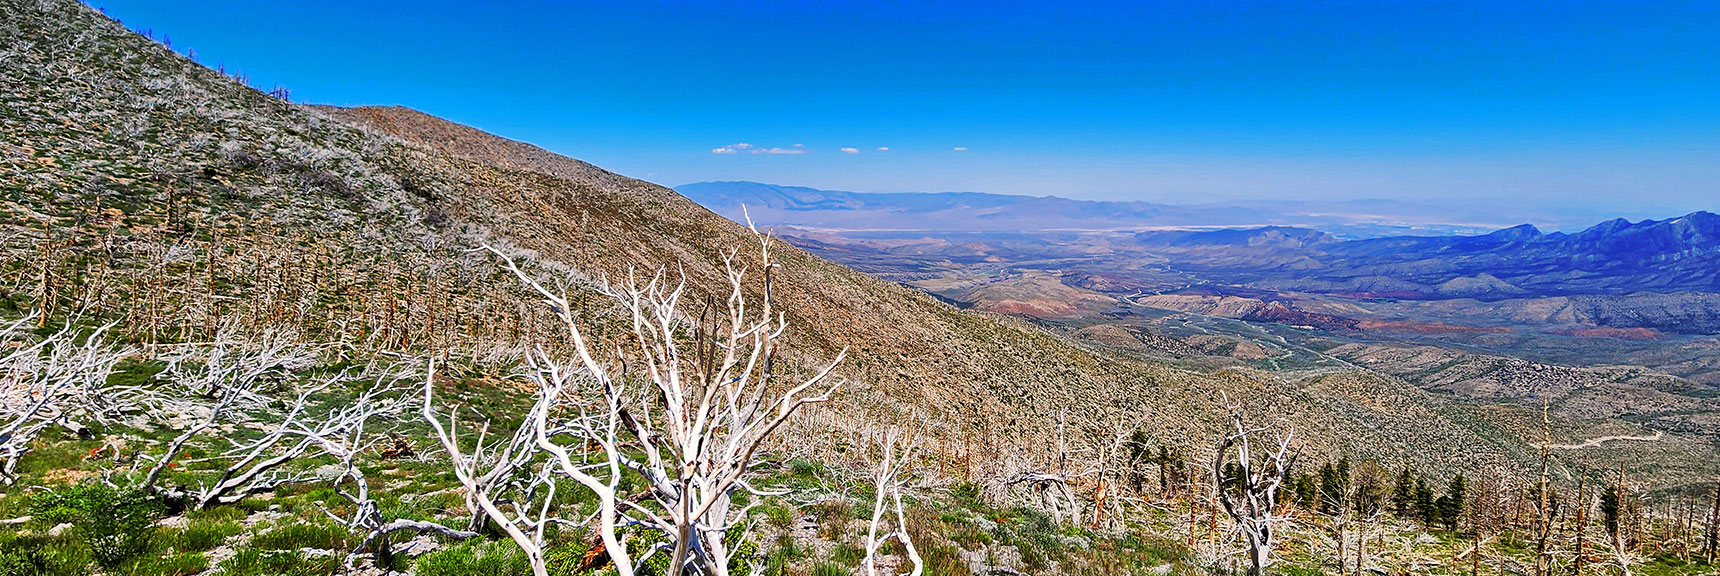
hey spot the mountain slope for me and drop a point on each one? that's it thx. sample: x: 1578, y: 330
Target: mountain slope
x: 145, y: 187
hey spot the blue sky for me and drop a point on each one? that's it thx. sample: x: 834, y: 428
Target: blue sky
x: 1603, y: 106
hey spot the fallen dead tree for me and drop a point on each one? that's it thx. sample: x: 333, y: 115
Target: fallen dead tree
x: 56, y: 380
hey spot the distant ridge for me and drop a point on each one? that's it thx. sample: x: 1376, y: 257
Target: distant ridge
x: 804, y: 207
x: 1614, y: 257
x: 811, y: 207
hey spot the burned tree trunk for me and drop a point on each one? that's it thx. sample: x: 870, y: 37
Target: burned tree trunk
x: 1249, y: 493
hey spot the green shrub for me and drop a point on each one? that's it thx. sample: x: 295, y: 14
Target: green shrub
x: 805, y: 469
x: 565, y: 560
x: 22, y: 561
x: 780, y: 517
x: 966, y: 493
x: 116, y: 524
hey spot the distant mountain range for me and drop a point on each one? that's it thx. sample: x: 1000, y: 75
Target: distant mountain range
x: 812, y: 208
x: 972, y: 211
x: 1613, y: 257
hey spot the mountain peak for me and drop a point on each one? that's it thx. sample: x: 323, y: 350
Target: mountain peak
x: 1519, y: 233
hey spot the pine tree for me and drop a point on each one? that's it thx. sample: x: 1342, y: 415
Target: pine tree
x: 1610, y: 510
x: 1170, y: 464
x: 1335, y: 487
x: 1141, y: 453
x: 1424, y: 507
x: 1403, y: 494
x: 1307, y: 491
x: 1451, y: 505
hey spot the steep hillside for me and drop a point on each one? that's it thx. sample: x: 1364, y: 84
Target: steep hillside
x: 143, y: 186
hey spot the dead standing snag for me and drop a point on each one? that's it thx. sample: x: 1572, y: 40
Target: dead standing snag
x: 1249, y: 495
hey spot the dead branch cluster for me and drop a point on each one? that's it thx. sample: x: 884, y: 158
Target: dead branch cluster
x: 60, y: 379
x: 684, y: 400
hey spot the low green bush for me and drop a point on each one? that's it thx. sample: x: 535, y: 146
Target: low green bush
x: 117, y: 524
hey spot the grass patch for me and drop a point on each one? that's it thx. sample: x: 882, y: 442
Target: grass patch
x: 473, y: 559
x: 203, y: 535
x: 297, y: 536
x: 254, y: 562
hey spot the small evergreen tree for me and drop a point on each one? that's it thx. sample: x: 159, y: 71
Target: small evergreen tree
x: 1335, y: 487
x: 1424, y: 503
x: 1140, y: 453
x: 1170, y: 464
x: 1610, y: 510
x: 1403, y: 495
x: 1451, y: 504
x: 1307, y: 491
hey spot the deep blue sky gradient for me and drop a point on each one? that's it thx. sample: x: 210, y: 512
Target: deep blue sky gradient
x: 1611, y: 106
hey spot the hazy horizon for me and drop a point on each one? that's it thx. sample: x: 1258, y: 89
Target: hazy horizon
x: 1469, y: 218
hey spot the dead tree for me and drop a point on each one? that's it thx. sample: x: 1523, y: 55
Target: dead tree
x: 1712, y: 546
x: 230, y: 360
x: 711, y: 394
x: 492, y: 478
x: 228, y: 370
x: 256, y: 466
x: 1051, y: 493
x: 1487, y: 510
x: 888, y: 482
x: 346, y: 441
x: 1582, y: 521
x: 1543, y: 510
x: 259, y: 464
x: 1249, y: 494
x: 54, y: 380
x: 1618, y: 544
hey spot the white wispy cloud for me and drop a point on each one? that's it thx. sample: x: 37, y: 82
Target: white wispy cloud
x: 883, y: 148
x: 961, y: 148
x: 743, y: 147
x: 851, y: 150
